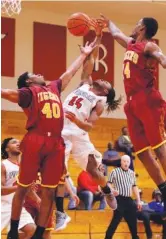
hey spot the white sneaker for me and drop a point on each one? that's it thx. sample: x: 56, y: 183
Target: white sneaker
x: 62, y: 219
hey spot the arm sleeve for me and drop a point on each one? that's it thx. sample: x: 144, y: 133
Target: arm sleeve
x: 25, y: 97
x: 57, y: 84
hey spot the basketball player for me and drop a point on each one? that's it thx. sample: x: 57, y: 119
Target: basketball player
x: 42, y: 147
x: 10, y: 152
x: 145, y: 108
x: 83, y: 108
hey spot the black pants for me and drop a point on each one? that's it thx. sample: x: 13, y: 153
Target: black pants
x: 127, y: 209
x: 145, y: 217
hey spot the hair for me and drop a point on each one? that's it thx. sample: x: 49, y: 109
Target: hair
x: 4, y: 145
x: 21, y: 82
x: 112, y: 104
x: 151, y: 25
x: 124, y: 127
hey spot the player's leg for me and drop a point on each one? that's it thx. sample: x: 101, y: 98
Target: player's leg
x: 61, y: 217
x: 52, y: 171
x: 30, y: 147
x: 89, y: 159
x: 155, y: 133
x: 141, y: 142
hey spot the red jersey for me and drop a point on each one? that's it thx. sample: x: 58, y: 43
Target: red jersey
x: 43, y: 107
x: 139, y: 69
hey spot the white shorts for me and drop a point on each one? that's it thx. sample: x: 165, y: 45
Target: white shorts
x: 80, y: 146
x: 6, y: 215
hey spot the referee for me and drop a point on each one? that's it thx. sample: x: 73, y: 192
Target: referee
x: 123, y: 180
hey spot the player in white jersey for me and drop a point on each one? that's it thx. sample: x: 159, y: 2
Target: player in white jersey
x: 83, y: 108
x: 9, y: 169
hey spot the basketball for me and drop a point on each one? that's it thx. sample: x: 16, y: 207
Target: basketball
x: 78, y: 24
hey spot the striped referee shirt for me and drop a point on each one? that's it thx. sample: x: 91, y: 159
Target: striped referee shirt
x: 123, y: 181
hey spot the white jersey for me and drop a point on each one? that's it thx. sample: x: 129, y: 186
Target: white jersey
x: 11, y: 173
x: 81, y: 102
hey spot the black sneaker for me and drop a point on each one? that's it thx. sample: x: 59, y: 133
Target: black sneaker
x: 10, y: 236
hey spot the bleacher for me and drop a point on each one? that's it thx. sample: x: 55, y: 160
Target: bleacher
x: 89, y: 224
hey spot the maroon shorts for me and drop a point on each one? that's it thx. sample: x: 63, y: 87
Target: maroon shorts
x: 146, y: 116
x: 44, y: 154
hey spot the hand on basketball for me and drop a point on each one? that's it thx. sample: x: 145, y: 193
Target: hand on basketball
x: 97, y: 25
x: 70, y: 116
x: 87, y: 49
x: 103, y: 20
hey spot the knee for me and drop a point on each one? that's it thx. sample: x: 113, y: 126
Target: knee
x: 160, y: 152
x: 21, y: 191
x: 48, y: 193
x: 92, y: 164
x: 29, y: 230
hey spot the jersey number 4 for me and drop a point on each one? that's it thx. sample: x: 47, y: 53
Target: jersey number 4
x: 76, y: 101
x: 127, y: 70
x: 51, y: 110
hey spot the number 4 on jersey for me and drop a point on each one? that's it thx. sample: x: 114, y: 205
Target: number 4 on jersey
x: 127, y: 70
x: 76, y: 101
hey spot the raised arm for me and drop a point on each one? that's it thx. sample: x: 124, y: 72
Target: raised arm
x: 5, y: 190
x: 117, y: 34
x: 89, y: 124
x: 10, y: 95
x: 71, y: 71
x: 153, y: 50
x: 90, y: 62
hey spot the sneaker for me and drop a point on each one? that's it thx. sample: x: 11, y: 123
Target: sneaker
x: 10, y: 236
x: 111, y: 200
x: 62, y: 219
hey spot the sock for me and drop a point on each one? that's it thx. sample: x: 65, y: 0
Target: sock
x: 38, y: 233
x: 106, y: 189
x: 59, y: 204
x: 14, y: 227
x: 162, y: 188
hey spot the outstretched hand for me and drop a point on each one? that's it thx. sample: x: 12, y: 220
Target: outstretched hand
x: 87, y: 49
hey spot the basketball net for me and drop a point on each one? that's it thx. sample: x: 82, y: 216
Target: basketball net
x: 10, y: 7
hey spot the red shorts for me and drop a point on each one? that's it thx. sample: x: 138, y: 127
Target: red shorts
x: 44, y: 154
x: 146, y: 116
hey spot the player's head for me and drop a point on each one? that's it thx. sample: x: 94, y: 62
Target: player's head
x: 9, y: 147
x: 125, y: 130
x: 104, y: 88
x: 27, y: 79
x: 110, y: 146
x: 125, y: 162
x: 147, y: 27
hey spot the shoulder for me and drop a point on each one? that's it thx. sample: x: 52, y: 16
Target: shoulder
x: 56, y: 85
x: 3, y: 168
x: 150, y: 46
x: 99, y: 107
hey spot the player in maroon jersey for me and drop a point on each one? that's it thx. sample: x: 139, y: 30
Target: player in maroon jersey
x: 144, y: 109
x: 42, y: 147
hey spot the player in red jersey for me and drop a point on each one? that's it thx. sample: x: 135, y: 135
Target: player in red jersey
x: 145, y: 108
x: 42, y: 147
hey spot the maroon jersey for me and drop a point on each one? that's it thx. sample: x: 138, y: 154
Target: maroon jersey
x: 139, y: 69
x: 43, y: 107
